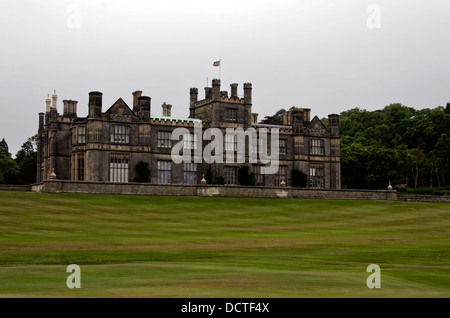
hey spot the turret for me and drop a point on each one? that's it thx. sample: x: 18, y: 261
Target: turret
x: 194, y: 96
x: 208, y: 93
x: 215, y: 89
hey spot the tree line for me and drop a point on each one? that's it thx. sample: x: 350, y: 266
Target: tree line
x: 22, y: 168
x: 397, y: 143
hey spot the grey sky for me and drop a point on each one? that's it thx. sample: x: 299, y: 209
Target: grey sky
x: 319, y: 54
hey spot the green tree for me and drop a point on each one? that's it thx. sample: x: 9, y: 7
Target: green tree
x: 418, y: 159
x: 26, y: 159
x: 9, y: 171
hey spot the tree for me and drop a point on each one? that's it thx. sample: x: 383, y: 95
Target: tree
x: 26, y: 159
x: 418, y: 158
x: 9, y: 171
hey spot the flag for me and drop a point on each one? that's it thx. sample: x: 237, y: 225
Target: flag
x: 216, y: 63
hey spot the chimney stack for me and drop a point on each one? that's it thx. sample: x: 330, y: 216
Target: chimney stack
x: 95, y: 104
x: 144, y: 106
x: 234, y: 88
x: 136, y: 95
x: 248, y: 93
x: 333, y: 124
x: 167, y: 110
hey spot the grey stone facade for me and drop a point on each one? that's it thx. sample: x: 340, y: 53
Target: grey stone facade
x: 106, y: 146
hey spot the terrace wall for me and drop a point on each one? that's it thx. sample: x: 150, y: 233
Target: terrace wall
x: 57, y: 186
x: 423, y: 198
x: 15, y: 187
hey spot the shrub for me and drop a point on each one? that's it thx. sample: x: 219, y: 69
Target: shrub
x: 142, y: 172
x: 245, y: 177
x: 299, y: 178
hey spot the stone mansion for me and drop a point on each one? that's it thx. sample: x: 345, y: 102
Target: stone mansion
x: 108, y: 145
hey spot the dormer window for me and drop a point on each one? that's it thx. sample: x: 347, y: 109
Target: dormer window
x: 120, y: 134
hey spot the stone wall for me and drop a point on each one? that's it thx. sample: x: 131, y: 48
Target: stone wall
x: 14, y: 187
x: 423, y: 198
x: 56, y: 186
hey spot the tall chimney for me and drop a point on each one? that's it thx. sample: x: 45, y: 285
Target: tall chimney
x: 65, y: 107
x: 74, y: 106
x: 95, y: 104
x: 136, y: 95
x: 333, y: 124
x: 234, y: 88
x: 167, y: 110
x: 248, y: 93
x: 144, y: 106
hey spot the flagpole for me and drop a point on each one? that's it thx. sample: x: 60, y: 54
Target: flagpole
x: 220, y: 69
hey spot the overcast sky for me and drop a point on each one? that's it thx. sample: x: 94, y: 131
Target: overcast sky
x: 327, y: 55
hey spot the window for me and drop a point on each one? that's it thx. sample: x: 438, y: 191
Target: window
x: 317, y: 177
x: 120, y: 134
x: 231, y: 142
x: 281, y: 175
x: 164, y: 172
x: 190, y: 173
x: 81, y: 134
x: 164, y: 139
x: 258, y: 175
x: 282, y: 146
x: 80, y: 169
x: 316, y: 147
x: 118, y: 168
x: 231, y: 114
x: 190, y: 141
x: 230, y: 175
x: 258, y: 145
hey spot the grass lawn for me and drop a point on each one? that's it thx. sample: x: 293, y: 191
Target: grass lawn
x: 147, y: 246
